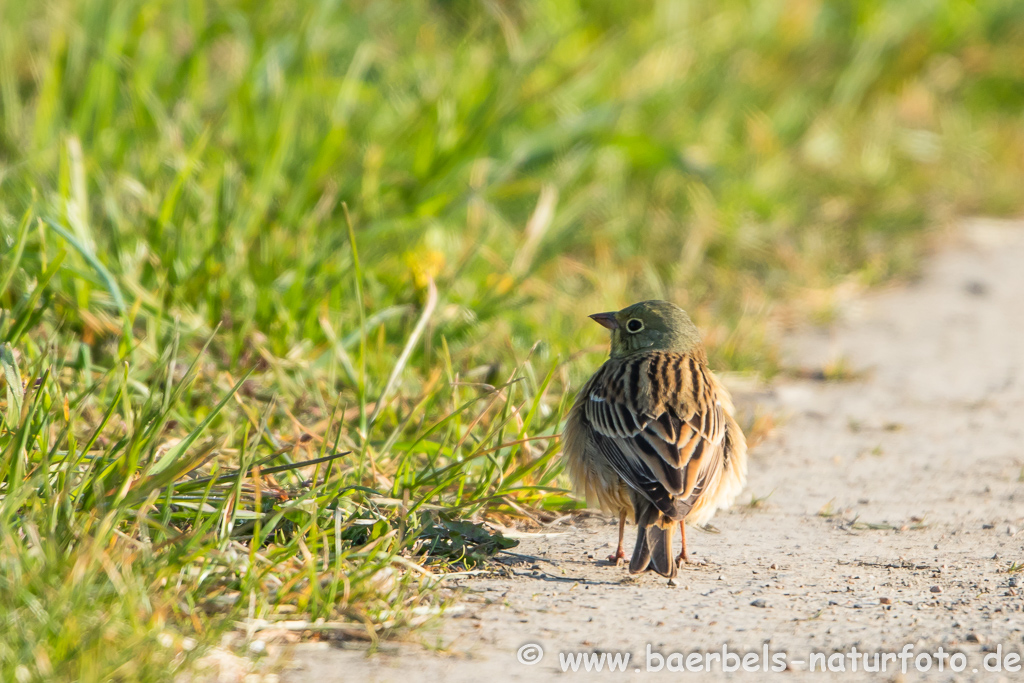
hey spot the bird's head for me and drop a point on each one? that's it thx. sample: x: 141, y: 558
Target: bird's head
x: 650, y: 326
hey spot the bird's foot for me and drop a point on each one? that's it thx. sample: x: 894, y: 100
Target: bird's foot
x: 618, y: 558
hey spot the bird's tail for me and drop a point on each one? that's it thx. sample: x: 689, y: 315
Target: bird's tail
x: 653, y: 549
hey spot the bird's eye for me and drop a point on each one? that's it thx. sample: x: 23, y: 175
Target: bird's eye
x: 635, y: 325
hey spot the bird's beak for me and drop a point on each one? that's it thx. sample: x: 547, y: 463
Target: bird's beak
x: 606, y: 320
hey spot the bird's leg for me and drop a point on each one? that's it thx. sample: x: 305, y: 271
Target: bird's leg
x: 620, y: 554
x: 684, y: 557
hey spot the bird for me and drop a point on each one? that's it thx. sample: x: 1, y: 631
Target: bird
x: 652, y: 437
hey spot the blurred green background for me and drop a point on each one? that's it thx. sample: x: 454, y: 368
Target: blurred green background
x: 285, y: 180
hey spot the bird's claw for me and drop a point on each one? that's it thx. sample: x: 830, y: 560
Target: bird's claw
x: 618, y: 558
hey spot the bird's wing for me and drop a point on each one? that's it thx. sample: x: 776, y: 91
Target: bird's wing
x: 657, y: 419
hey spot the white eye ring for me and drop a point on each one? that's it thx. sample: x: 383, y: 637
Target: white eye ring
x: 633, y: 329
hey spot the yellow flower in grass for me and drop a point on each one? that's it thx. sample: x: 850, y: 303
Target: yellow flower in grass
x: 424, y: 264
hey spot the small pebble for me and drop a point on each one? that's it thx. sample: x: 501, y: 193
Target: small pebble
x: 976, y: 288
x: 759, y: 603
x: 935, y: 589
x: 975, y: 638
x: 884, y: 601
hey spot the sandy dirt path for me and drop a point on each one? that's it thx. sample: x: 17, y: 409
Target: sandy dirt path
x: 891, y: 511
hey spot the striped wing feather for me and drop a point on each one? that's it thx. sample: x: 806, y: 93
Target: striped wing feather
x: 658, y: 421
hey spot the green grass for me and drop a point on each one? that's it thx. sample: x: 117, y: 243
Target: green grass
x: 238, y: 237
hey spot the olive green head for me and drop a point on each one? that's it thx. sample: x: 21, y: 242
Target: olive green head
x: 650, y: 326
